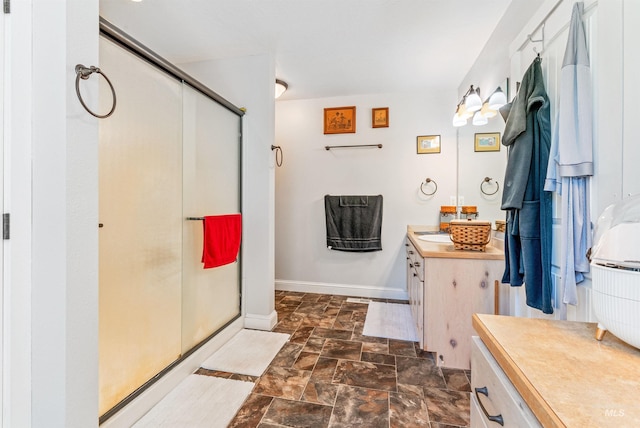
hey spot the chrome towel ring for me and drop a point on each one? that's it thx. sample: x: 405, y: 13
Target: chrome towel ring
x: 488, y: 180
x: 427, y: 181
x: 84, y: 73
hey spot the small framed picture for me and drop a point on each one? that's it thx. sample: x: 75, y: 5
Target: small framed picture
x: 428, y: 144
x: 340, y: 120
x: 487, y: 142
x: 380, y: 117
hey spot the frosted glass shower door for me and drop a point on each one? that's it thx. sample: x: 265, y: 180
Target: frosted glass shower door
x: 141, y: 212
x: 211, y: 174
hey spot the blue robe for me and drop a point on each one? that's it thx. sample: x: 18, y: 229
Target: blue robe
x: 571, y: 160
x: 528, y: 238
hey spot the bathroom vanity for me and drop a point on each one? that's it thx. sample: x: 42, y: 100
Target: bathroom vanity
x: 539, y: 372
x: 446, y: 287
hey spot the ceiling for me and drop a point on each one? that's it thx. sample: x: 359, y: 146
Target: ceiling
x: 322, y: 48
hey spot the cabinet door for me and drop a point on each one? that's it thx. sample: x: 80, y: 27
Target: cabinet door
x: 455, y: 290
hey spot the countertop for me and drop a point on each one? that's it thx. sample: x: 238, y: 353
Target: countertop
x: 440, y: 250
x: 564, y: 374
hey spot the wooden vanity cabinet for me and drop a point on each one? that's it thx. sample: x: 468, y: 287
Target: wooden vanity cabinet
x: 445, y: 289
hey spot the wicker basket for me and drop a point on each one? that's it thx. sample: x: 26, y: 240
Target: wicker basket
x: 471, y: 235
x: 501, y: 225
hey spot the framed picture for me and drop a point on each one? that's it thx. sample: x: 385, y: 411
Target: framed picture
x: 340, y: 120
x: 380, y: 117
x: 428, y: 144
x: 487, y: 142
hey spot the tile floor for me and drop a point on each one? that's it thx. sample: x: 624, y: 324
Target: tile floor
x: 329, y: 375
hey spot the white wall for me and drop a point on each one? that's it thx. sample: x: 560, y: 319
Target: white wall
x: 50, y: 357
x: 309, y: 172
x: 249, y: 82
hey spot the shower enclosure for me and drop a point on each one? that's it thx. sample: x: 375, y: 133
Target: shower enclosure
x: 170, y: 151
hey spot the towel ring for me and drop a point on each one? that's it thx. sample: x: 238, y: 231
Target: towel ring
x: 278, y: 149
x: 488, y: 180
x: 427, y: 181
x: 84, y: 73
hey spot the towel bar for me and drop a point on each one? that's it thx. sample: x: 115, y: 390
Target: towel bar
x: 355, y: 145
x: 195, y: 218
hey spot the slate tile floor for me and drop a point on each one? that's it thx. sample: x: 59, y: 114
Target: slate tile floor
x: 330, y: 375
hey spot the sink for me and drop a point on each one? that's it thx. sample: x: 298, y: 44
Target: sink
x: 444, y: 239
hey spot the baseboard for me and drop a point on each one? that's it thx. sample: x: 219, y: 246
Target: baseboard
x: 126, y: 417
x: 342, y: 289
x: 261, y: 322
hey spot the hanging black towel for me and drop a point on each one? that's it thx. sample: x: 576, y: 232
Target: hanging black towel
x: 354, y: 223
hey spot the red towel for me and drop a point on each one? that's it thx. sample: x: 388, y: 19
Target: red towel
x: 222, y: 234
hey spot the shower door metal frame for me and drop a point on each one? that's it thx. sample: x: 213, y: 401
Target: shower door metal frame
x: 122, y: 39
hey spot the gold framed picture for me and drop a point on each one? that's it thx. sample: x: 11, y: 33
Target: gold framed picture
x: 380, y: 117
x: 487, y: 142
x: 340, y: 120
x: 428, y: 144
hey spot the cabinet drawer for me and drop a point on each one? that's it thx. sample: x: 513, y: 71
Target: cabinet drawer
x: 500, y: 397
x: 478, y: 419
x: 415, y: 259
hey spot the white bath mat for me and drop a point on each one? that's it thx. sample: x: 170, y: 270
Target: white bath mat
x: 249, y: 352
x: 198, y: 402
x: 358, y: 300
x: 390, y: 320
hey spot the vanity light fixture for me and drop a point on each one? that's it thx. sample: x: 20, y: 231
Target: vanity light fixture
x: 459, y: 120
x: 471, y: 105
x: 497, y: 99
x: 462, y: 114
x: 281, y: 87
x: 473, y: 102
x: 487, y: 111
x: 479, y: 119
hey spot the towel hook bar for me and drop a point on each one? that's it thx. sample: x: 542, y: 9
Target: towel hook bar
x: 427, y: 181
x: 195, y: 218
x: 488, y: 180
x: 84, y: 73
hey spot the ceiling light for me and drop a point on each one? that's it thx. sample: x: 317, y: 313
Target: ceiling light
x: 473, y: 102
x: 281, y: 86
x: 479, y: 119
x: 497, y: 99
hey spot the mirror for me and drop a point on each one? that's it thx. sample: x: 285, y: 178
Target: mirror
x: 482, y: 160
